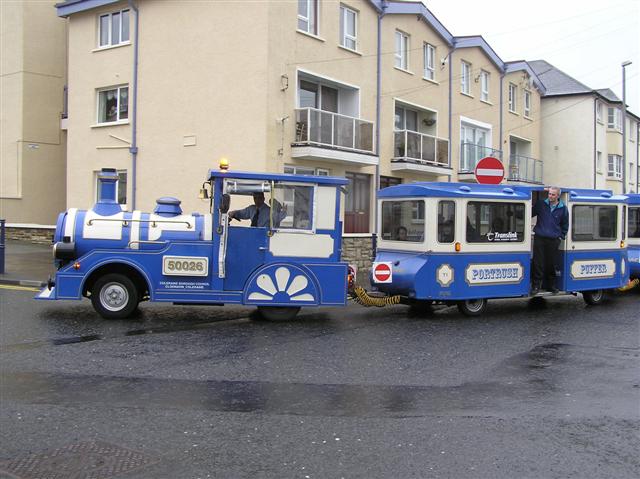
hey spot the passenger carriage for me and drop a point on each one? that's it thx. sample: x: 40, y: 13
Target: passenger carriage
x: 119, y: 258
x: 633, y: 240
x: 466, y: 243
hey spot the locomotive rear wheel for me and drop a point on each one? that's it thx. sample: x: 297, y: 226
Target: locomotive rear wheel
x: 114, y: 296
x: 472, y: 307
x: 594, y: 297
x: 278, y: 313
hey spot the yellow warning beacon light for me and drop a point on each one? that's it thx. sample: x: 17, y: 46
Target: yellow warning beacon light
x: 224, y: 164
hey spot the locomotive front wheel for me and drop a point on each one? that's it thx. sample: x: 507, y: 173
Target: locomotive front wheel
x: 114, y: 296
x: 472, y: 307
x: 593, y: 297
x: 277, y: 313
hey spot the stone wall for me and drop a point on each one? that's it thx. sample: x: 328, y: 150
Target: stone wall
x: 358, y: 252
x: 30, y: 235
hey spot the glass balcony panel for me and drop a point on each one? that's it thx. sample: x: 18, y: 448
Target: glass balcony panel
x: 343, y: 131
x: 334, y: 130
x: 429, y: 148
x: 442, y: 155
x: 471, y: 154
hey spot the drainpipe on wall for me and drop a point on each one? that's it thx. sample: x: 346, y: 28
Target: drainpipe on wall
x: 450, y: 57
x: 381, y: 14
x: 507, y: 169
x: 133, y: 149
x: 595, y: 143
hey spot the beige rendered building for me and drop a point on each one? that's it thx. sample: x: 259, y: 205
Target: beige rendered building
x: 582, y: 134
x: 32, y: 75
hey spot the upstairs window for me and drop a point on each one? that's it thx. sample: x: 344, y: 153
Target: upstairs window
x: 348, y: 28
x: 614, y: 119
x: 402, y: 50
x: 614, y: 169
x: 465, y: 78
x: 527, y: 103
x: 113, y: 104
x: 114, y: 28
x: 599, y: 111
x: 308, y: 16
x: 429, y: 62
x: 513, y: 92
x: 484, y: 86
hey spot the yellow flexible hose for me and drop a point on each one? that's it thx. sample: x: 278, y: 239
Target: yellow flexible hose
x: 360, y: 296
x: 630, y: 285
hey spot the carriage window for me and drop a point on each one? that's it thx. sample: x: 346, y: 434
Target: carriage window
x: 403, y: 221
x: 594, y: 223
x: 446, y: 221
x: 495, y: 222
x: 293, y: 205
x: 634, y: 222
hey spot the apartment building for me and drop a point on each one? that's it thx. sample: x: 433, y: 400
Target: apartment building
x: 32, y: 143
x: 582, y: 141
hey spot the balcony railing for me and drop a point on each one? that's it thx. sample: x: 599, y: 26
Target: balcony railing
x: 420, y: 148
x: 523, y: 168
x: 471, y: 154
x: 325, y: 128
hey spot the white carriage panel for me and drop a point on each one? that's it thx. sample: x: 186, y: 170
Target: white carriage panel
x: 102, y: 227
x: 301, y: 245
x: 326, y: 208
x: 158, y: 224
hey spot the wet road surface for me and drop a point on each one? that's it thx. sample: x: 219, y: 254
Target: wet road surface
x: 548, y: 390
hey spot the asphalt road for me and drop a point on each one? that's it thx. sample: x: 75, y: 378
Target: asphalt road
x: 546, y: 390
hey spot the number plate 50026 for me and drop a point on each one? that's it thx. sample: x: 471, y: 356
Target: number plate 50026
x: 185, y: 266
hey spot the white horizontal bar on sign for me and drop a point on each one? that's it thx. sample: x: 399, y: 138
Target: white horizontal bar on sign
x: 487, y: 172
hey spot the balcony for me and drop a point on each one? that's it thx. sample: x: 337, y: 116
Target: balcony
x: 328, y: 136
x: 420, y: 152
x: 470, y: 155
x: 524, y: 169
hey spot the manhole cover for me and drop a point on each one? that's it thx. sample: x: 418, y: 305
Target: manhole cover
x: 83, y: 460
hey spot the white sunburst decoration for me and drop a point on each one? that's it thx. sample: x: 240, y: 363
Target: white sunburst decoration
x: 270, y: 286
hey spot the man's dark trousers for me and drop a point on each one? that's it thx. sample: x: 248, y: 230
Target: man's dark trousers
x: 545, y: 260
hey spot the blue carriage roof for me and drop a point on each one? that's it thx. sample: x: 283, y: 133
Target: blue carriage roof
x: 634, y: 198
x: 456, y: 190
x: 246, y: 175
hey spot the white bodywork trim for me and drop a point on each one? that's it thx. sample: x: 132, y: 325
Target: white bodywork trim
x: 301, y: 245
x: 96, y: 229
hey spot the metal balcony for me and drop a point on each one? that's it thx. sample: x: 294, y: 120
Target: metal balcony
x: 471, y: 154
x: 420, y: 152
x: 525, y: 169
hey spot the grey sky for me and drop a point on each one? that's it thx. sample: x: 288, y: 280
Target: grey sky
x: 587, y: 39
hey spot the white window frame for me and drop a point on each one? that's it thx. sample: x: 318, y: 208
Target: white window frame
x: 117, y: 89
x: 312, y: 18
x: 465, y: 77
x: 513, y: 95
x: 616, y: 124
x: 599, y: 161
x: 346, y: 37
x: 599, y: 111
x: 109, y: 17
x: 614, y: 167
x: 402, y: 54
x: 526, y: 107
x: 484, y: 85
x: 429, y: 53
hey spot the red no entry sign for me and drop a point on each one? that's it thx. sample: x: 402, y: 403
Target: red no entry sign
x: 382, y: 272
x: 489, y: 171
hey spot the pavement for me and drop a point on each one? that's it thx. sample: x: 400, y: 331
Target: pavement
x: 27, y: 264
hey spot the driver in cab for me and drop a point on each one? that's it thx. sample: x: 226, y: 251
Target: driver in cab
x: 259, y: 212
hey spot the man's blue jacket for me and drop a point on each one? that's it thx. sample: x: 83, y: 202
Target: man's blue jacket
x: 551, y: 224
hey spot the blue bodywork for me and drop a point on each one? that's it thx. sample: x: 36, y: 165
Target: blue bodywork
x: 202, y: 259
x: 633, y: 242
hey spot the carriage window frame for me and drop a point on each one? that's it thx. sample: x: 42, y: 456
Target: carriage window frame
x: 392, y: 220
x: 311, y: 208
x: 518, y: 209
x: 442, y: 221
x: 578, y: 221
x: 634, y: 229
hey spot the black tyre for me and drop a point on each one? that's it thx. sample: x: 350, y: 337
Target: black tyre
x: 278, y: 313
x: 472, y: 307
x: 114, y: 296
x: 593, y: 297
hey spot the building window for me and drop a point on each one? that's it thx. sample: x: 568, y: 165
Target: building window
x: 513, y: 92
x: 113, y: 104
x: 599, y: 161
x: 406, y: 119
x: 386, y: 181
x: 114, y: 28
x: 429, y: 62
x: 402, y: 50
x: 615, y: 167
x: 357, y: 203
x: 599, y: 111
x: 121, y: 187
x: 305, y: 170
x: 308, y: 16
x: 484, y: 86
x: 465, y: 78
x: 527, y: 103
x: 348, y: 28
x: 614, y: 117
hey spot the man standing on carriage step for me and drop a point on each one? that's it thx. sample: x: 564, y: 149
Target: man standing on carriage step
x: 550, y: 229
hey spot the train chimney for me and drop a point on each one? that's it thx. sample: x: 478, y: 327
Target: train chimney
x: 107, y: 190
